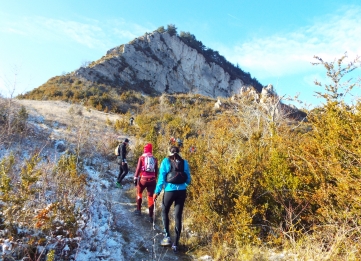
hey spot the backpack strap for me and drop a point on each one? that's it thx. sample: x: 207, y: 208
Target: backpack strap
x: 172, y: 162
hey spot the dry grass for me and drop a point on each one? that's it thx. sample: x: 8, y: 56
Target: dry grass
x: 77, y: 124
x: 58, y: 111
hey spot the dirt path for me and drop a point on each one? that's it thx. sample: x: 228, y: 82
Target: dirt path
x: 113, y: 232
x: 139, y: 240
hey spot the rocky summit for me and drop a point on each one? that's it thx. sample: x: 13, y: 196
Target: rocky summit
x: 164, y: 63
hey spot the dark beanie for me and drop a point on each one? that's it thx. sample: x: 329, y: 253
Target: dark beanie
x: 173, y: 150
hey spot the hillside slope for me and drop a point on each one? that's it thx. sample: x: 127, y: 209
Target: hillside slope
x: 107, y: 228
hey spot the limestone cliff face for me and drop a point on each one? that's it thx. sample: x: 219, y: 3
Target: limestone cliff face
x: 163, y: 63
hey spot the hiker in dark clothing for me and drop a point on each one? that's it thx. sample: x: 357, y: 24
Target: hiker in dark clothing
x: 173, y: 192
x: 123, y: 165
x: 131, y: 120
x: 145, y: 177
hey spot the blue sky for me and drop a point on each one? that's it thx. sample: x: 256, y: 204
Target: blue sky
x: 275, y: 41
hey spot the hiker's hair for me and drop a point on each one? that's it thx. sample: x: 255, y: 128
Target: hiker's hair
x: 174, y: 150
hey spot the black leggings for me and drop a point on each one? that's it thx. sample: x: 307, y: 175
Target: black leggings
x: 178, y: 197
x: 123, y: 171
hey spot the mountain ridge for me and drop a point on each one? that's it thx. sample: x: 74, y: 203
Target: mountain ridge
x: 155, y: 63
x: 165, y: 63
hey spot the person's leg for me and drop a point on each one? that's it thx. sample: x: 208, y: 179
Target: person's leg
x: 140, y: 188
x: 124, y: 173
x: 178, y: 211
x: 120, y: 173
x: 166, y: 204
x: 150, y: 191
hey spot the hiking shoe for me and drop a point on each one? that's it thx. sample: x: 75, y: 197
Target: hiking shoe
x: 166, y: 241
x: 137, y: 212
x: 174, y: 248
x: 118, y: 185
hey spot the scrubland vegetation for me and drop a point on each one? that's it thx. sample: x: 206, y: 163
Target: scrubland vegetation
x: 102, y: 97
x: 262, y: 182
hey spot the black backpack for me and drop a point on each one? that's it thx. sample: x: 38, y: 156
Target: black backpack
x: 176, y: 174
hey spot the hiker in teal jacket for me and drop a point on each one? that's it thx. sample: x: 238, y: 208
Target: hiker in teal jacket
x: 172, y: 193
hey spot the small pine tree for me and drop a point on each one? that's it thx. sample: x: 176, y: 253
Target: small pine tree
x: 21, y: 119
x: 160, y: 29
x: 172, y: 30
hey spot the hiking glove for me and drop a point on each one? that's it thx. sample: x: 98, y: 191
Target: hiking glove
x: 135, y: 181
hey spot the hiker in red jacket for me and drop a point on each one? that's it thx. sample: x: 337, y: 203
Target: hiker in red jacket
x: 145, y: 176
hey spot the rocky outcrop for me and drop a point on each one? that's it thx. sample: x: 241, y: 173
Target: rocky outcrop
x: 267, y: 94
x: 270, y: 101
x: 162, y: 63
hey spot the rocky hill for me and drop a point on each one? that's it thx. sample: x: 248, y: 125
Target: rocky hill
x: 156, y: 63
x: 167, y: 64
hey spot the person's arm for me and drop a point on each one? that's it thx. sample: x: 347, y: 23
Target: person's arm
x: 138, y: 169
x: 156, y: 168
x: 188, y: 172
x: 164, y: 168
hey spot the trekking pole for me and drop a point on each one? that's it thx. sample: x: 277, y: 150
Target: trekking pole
x: 154, y: 253
x: 154, y: 214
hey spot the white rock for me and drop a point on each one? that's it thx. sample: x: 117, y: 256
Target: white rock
x: 166, y: 64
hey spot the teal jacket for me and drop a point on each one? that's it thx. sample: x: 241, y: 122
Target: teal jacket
x: 163, y: 171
